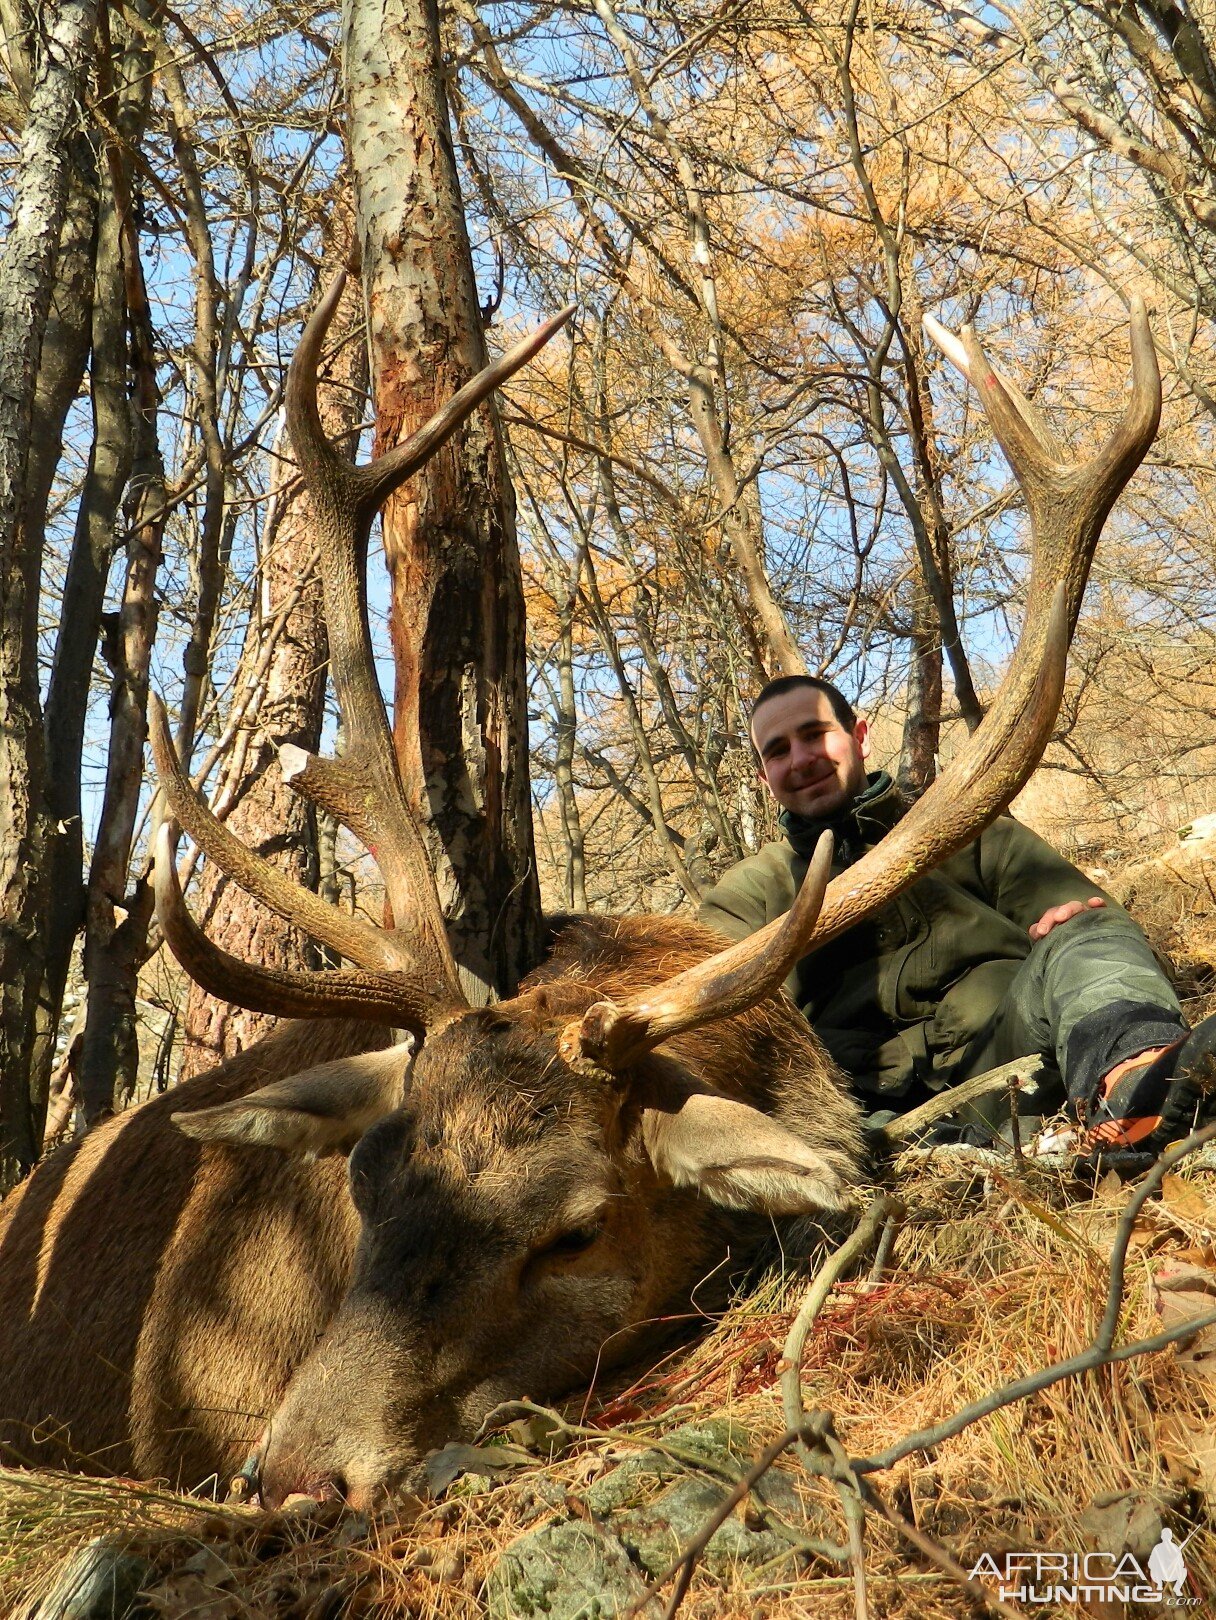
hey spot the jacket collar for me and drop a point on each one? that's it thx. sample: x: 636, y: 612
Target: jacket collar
x: 862, y: 823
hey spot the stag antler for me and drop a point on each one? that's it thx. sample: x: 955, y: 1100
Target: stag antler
x: 411, y: 976
x: 1068, y: 501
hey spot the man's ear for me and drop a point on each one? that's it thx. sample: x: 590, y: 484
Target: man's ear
x: 318, y: 1111
x: 861, y: 735
x: 764, y: 781
x: 740, y: 1158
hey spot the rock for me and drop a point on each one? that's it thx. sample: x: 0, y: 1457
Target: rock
x: 647, y: 1509
x: 716, y: 1442
x: 97, y: 1582
x: 207, y: 1564
x: 656, y: 1535
x: 536, y: 1497
x: 571, y: 1571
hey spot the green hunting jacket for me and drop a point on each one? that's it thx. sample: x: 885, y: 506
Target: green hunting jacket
x: 897, y: 998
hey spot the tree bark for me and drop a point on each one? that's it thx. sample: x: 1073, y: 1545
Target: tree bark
x: 923, y: 706
x: 116, y: 922
x: 457, y: 623
x: 27, y: 267
x: 65, y: 352
x: 285, y: 653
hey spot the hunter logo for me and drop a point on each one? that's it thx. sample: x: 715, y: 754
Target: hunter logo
x: 1059, y: 1577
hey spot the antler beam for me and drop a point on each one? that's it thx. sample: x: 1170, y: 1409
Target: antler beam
x: 399, y: 999
x: 1068, y: 501
x: 362, y: 789
x: 615, y: 1034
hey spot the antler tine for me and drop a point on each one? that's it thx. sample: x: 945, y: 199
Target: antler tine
x: 363, y: 789
x: 1068, y: 501
x: 353, y: 938
x: 1129, y: 443
x: 959, y: 351
x: 317, y: 457
x: 378, y: 480
x: 615, y: 1034
x: 398, y: 999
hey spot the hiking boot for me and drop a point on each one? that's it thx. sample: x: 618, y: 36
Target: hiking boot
x: 1159, y: 1101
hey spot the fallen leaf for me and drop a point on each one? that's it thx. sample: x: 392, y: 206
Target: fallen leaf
x: 1189, y: 1453
x: 446, y: 1465
x: 1182, y: 1292
x: 1186, y: 1202
x: 1110, y: 1189
x: 1197, y: 1255
x: 1126, y: 1523
x: 538, y: 1432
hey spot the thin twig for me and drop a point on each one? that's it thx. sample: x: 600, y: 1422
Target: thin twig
x: 1015, y: 1122
x: 852, y: 1499
x: 1123, y: 1232
x: 883, y: 1252
x: 828, y: 1457
x: 937, y: 1554
x: 881, y: 1209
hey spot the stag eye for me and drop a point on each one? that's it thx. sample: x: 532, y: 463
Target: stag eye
x: 575, y: 1241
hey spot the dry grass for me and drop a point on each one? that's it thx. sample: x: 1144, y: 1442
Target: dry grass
x: 1173, y: 898
x: 988, y: 1283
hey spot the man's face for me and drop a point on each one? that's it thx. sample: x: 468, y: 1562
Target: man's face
x: 808, y: 761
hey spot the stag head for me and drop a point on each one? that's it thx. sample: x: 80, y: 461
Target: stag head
x: 540, y: 1184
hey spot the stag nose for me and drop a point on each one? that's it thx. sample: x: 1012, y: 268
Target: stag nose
x: 287, y: 1477
x: 333, y: 1449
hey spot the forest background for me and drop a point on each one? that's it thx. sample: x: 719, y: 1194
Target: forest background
x: 740, y: 458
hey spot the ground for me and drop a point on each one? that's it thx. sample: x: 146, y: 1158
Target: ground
x: 997, y: 1271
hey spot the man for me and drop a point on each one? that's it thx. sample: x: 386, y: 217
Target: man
x: 1002, y: 951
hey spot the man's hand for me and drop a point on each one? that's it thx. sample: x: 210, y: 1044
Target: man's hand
x: 1055, y: 915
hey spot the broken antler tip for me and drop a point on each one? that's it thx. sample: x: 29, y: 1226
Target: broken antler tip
x: 293, y: 760
x: 952, y: 346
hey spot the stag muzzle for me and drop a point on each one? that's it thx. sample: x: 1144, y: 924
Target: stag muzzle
x: 358, y: 1418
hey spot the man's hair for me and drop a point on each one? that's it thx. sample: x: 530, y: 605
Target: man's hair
x: 840, y: 705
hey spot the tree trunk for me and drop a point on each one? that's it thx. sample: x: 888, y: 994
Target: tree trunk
x: 285, y: 652
x: 27, y: 267
x: 116, y: 922
x: 460, y: 718
x: 65, y: 352
x: 923, y: 707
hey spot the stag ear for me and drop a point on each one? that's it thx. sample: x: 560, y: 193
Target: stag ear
x: 319, y: 1111
x: 739, y: 1157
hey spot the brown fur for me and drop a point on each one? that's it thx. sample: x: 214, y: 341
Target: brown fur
x: 158, y: 1297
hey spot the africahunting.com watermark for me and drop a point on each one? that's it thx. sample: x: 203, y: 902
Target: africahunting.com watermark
x: 1059, y: 1577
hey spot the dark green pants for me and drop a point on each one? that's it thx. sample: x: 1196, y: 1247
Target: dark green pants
x: 1089, y: 995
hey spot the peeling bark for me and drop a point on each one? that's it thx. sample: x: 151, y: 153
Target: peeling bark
x: 460, y: 717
